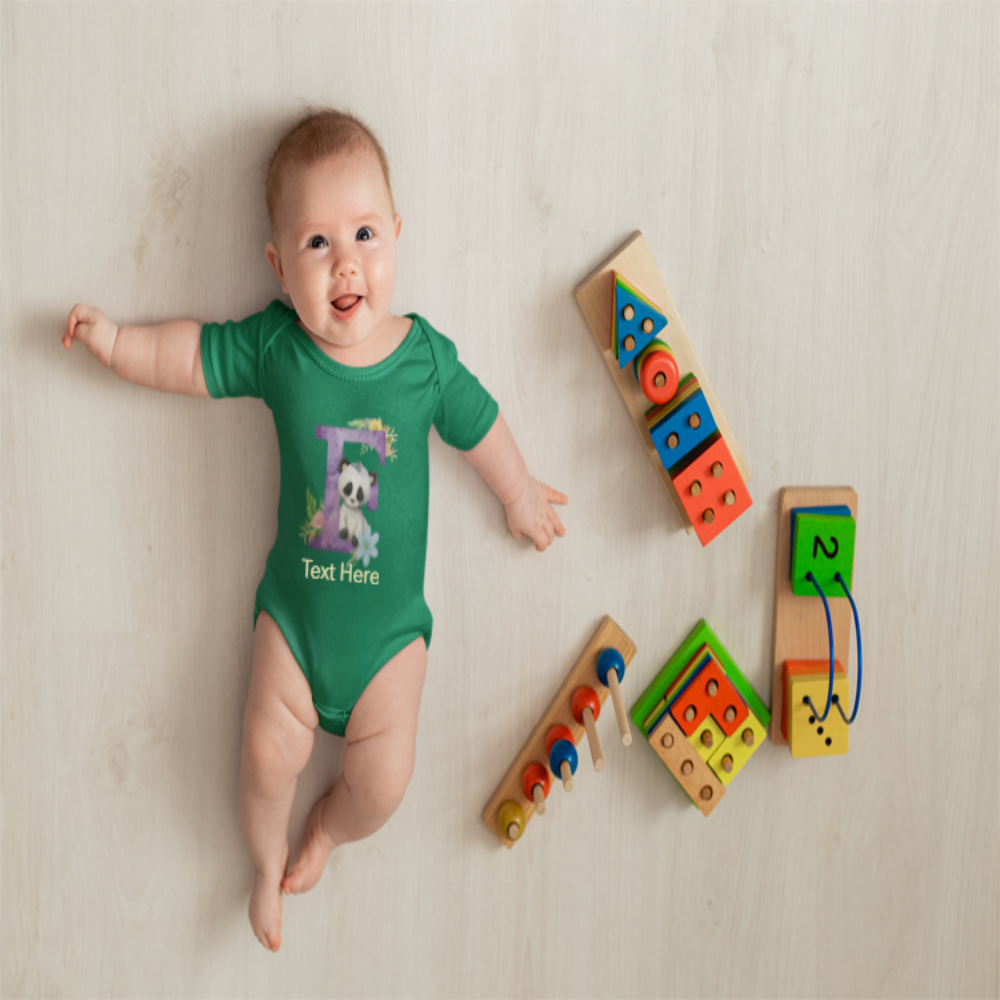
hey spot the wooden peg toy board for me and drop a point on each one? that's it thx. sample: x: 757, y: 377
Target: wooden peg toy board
x: 800, y: 631
x: 584, y: 671
x: 635, y: 263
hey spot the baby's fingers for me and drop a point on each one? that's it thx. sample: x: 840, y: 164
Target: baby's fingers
x: 79, y: 315
x: 554, y: 496
x: 556, y: 523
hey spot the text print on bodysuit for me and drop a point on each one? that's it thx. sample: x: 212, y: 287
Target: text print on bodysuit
x: 329, y: 537
x: 348, y: 573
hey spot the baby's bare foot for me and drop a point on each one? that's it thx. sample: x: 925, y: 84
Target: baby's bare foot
x: 265, y: 907
x: 265, y: 911
x: 316, y: 849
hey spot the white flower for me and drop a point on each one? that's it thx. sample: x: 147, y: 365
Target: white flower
x: 366, y: 549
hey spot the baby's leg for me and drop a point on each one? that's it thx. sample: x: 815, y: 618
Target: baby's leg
x: 378, y: 762
x: 277, y: 741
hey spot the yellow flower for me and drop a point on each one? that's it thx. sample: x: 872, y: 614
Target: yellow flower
x: 375, y: 425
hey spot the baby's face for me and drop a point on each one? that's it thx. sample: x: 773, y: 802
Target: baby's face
x: 335, y: 254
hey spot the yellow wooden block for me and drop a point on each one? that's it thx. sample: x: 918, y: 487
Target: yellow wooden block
x: 707, y: 739
x: 737, y: 749
x: 806, y: 736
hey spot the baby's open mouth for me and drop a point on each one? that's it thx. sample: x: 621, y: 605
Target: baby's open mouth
x: 345, y: 303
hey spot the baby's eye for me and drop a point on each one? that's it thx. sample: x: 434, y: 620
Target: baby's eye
x: 364, y: 233
x: 316, y: 242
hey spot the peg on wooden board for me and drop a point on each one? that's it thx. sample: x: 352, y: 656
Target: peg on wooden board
x: 563, y: 759
x: 536, y: 784
x: 551, y: 750
x: 586, y: 708
x: 610, y: 672
x: 511, y: 819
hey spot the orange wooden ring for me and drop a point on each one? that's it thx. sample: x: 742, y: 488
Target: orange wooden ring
x: 585, y: 697
x: 654, y: 364
x: 557, y: 733
x: 535, y: 774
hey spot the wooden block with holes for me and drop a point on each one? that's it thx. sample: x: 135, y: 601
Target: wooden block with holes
x: 684, y: 762
x: 800, y: 630
x: 632, y: 266
x: 704, y: 708
x: 512, y: 805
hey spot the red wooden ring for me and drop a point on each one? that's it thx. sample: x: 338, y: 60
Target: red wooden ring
x: 585, y: 697
x: 659, y: 363
x: 555, y: 734
x: 535, y: 774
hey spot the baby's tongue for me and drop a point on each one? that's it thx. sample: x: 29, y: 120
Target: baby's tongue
x: 345, y: 301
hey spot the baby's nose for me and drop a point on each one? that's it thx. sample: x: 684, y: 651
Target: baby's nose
x: 346, y: 263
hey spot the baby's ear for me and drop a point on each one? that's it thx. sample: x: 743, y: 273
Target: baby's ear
x: 397, y: 221
x: 274, y: 259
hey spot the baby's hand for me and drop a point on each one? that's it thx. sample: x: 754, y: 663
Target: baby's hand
x: 531, y: 515
x: 94, y: 330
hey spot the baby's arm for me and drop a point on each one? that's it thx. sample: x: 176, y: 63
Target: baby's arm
x: 527, y: 502
x: 165, y: 357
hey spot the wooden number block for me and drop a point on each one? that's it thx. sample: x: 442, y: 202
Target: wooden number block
x: 822, y: 544
x: 712, y: 490
x: 736, y: 750
x: 800, y: 630
x: 692, y: 773
x: 709, y: 693
x: 806, y: 735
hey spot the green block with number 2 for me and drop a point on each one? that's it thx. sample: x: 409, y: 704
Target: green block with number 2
x: 823, y: 544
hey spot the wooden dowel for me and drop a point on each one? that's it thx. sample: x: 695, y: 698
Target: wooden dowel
x: 592, y: 741
x: 567, y: 775
x: 539, y: 796
x: 616, y: 698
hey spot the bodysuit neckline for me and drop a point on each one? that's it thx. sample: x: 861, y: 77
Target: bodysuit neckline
x: 346, y: 372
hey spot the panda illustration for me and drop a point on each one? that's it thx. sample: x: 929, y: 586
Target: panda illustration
x: 355, y: 489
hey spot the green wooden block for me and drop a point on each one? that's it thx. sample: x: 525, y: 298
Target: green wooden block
x: 822, y: 544
x: 701, y: 634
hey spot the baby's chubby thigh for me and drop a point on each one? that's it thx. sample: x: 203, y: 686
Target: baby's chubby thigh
x: 280, y: 716
x: 382, y: 731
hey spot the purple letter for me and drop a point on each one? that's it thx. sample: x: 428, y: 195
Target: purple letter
x: 336, y: 438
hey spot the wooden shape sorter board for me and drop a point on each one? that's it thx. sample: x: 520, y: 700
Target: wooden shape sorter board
x: 800, y: 631
x: 635, y: 263
x: 559, y: 712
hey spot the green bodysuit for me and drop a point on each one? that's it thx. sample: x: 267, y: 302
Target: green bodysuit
x: 345, y: 578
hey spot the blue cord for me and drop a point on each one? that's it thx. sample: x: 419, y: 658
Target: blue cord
x: 829, y: 631
x: 857, y: 632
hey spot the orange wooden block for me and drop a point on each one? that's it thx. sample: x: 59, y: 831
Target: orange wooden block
x: 712, y: 490
x: 710, y: 693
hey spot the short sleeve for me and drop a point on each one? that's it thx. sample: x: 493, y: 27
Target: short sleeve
x: 232, y: 355
x: 465, y: 411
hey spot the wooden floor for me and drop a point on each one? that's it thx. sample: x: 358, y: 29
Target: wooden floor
x: 818, y: 185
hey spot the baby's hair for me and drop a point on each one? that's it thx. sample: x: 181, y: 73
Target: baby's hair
x: 318, y: 134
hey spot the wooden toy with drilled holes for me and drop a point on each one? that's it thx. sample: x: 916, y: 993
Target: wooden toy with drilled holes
x: 816, y: 529
x: 702, y: 718
x: 665, y: 389
x: 549, y: 755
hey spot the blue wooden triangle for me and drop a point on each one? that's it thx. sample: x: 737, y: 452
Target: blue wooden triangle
x: 633, y: 327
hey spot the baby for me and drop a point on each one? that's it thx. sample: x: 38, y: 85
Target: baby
x: 341, y: 627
